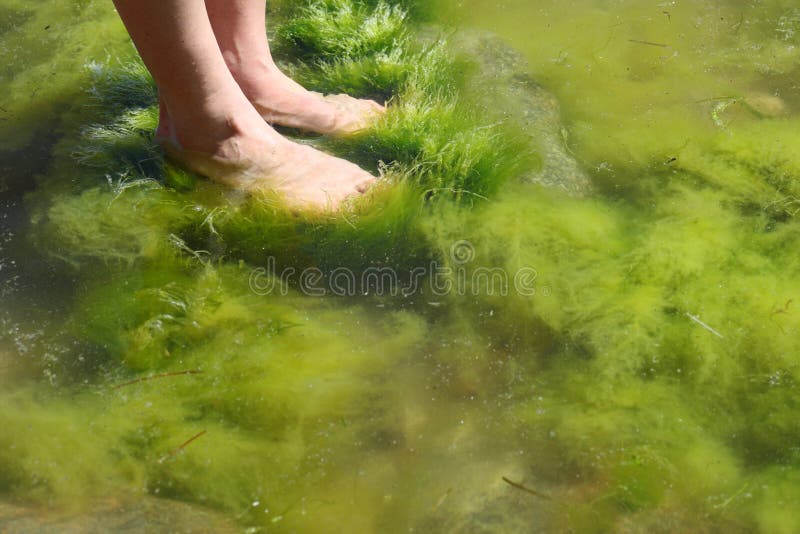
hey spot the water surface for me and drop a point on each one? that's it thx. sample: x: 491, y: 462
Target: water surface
x: 647, y: 383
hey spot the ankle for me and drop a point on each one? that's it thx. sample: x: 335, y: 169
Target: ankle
x: 257, y: 76
x: 208, y: 134
x: 248, y: 65
x: 210, y: 120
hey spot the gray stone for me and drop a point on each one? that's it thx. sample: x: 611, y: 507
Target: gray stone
x: 503, y: 80
x: 147, y: 514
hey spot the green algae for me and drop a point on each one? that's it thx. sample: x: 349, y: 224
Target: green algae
x: 701, y: 397
x: 645, y: 378
x: 43, y: 60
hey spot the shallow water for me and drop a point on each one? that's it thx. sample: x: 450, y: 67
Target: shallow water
x: 637, y: 79
x: 639, y: 375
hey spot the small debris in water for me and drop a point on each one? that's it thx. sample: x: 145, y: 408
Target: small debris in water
x: 441, y: 500
x: 183, y: 446
x: 785, y: 308
x: 650, y: 43
x: 526, y: 489
x: 704, y: 325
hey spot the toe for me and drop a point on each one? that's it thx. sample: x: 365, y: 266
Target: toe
x: 365, y: 183
x: 375, y: 107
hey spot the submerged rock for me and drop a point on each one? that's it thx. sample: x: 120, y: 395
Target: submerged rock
x: 142, y: 515
x: 489, y: 508
x: 503, y: 81
x: 767, y: 105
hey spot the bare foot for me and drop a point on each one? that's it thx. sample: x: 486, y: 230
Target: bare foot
x: 281, y: 100
x: 250, y: 156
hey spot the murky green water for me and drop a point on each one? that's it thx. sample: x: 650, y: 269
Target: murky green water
x: 638, y: 374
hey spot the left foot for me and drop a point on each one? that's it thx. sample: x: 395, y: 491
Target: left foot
x: 281, y: 100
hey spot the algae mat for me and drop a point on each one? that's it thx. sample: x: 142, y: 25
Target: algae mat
x: 464, y: 350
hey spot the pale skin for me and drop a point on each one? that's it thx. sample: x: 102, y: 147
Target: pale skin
x: 220, y: 90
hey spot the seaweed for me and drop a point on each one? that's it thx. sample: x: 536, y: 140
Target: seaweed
x: 642, y: 372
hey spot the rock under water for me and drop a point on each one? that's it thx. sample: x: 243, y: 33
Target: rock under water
x: 504, y: 83
x: 147, y: 514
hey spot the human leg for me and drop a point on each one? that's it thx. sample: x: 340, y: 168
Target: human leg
x: 239, y: 26
x: 213, y: 129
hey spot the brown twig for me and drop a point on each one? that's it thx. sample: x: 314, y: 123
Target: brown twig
x: 155, y: 377
x: 183, y: 445
x: 526, y: 489
x: 188, y: 441
x: 649, y: 43
x: 441, y: 500
x: 779, y: 311
x: 785, y: 309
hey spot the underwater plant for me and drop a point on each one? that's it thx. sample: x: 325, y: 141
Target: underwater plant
x: 645, y: 378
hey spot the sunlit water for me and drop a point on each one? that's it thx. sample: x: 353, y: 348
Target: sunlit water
x: 649, y: 384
